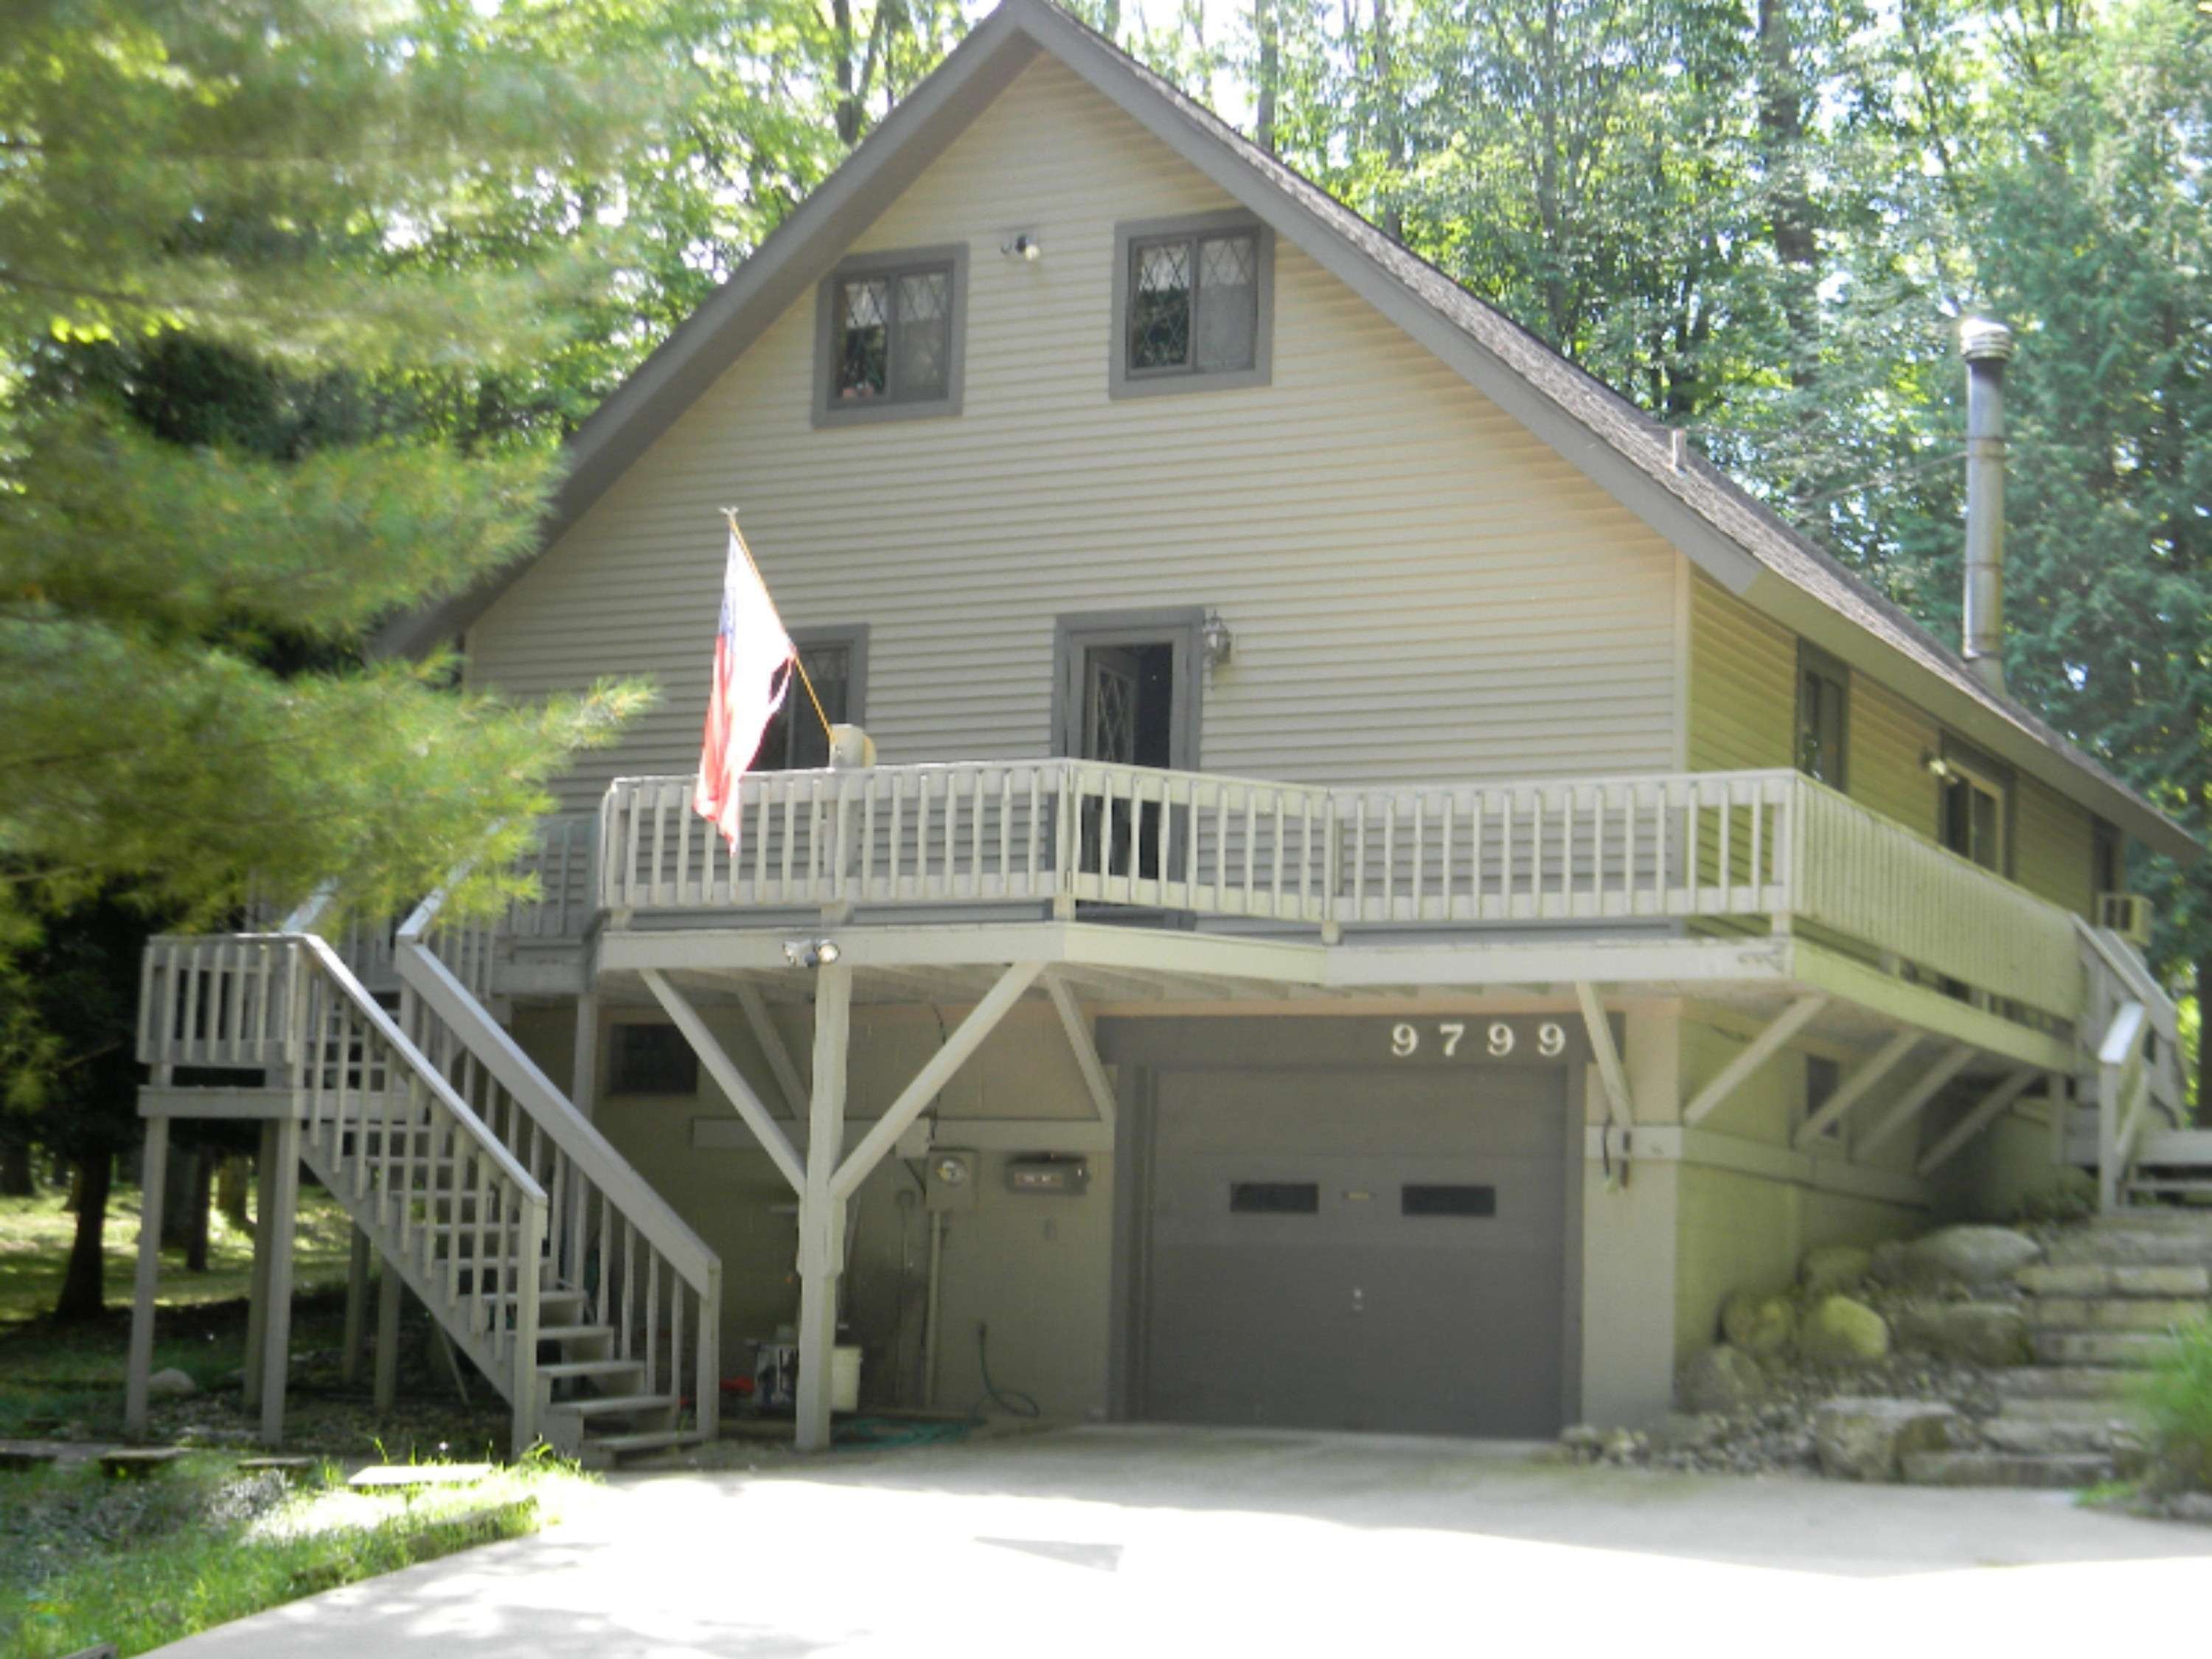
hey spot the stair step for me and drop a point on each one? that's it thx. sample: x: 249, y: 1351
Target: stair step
x: 2134, y: 1246
x: 2069, y: 1382
x: 618, y: 1404
x: 2096, y: 1280
x: 565, y: 1369
x: 2170, y: 1188
x: 599, y: 1451
x: 2118, y: 1348
x: 2059, y: 1408
x: 545, y: 1298
x: 2057, y: 1436
x: 573, y: 1332
x: 2117, y: 1313
x: 1997, y: 1468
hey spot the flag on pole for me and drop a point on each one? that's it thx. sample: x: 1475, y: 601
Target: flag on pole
x: 753, y: 659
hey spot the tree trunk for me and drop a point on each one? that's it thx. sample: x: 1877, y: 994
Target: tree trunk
x: 232, y: 1181
x: 81, y: 1297
x: 17, y: 1179
x: 196, y: 1234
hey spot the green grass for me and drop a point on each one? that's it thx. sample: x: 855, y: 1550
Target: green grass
x: 34, y: 1245
x: 2178, y: 1394
x: 85, y: 1558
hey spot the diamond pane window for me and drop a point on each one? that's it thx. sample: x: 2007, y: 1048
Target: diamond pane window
x: 889, y: 335
x: 794, y: 740
x: 1194, y: 304
x: 863, y: 339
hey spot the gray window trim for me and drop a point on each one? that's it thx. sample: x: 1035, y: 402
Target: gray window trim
x: 828, y: 412
x: 1812, y: 658
x: 1174, y: 625
x: 853, y: 637
x: 1120, y: 383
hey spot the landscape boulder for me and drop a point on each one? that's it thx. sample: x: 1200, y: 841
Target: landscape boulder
x: 1840, y: 1331
x: 1987, y: 1334
x: 170, y: 1384
x: 1831, y: 1267
x: 1859, y: 1438
x: 1760, y: 1325
x: 1721, y: 1379
x: 1969, y: 1255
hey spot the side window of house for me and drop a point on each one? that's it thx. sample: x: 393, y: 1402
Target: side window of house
x: 1823, y: 716
x: 890, y: 337
x: 1974, y: 810
x: 651, y: 1060
x: 836, y: 660
x: 1193, y: 304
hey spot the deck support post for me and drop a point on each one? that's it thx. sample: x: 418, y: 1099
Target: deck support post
x: 1996, y: 1102
x: 584, y: 1068
x: 356, y: 1307
x: 1620, y: 1105
x: 771, y: 1049
x: 731, y: 1082
x: 389, y: 1290
x: 276, y: 1323
x: 1085, y: 1049
x: 141, y: 1363
x: 1915, y: 1100
x: 821, y: 1211
x: 257, y: 1293
x: 1855, y: 1087
x: 1756, y: 1053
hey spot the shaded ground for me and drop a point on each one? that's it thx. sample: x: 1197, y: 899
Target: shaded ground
x: 1167, y: 1540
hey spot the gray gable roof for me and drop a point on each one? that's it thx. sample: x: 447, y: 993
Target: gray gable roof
x: 1727, y: 532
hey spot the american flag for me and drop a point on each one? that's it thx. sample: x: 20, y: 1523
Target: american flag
x: 753, y: 657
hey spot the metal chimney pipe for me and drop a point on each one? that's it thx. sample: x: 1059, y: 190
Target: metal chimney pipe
x: 1987, y: 347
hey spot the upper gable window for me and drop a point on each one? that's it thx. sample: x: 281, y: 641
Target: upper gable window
x: 1194, y: 300
x: 890, y: 335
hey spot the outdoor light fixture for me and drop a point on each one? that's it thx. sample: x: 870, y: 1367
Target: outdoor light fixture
x: 1215, y: 642
x: 810, y: 952
x: 1937, y: 765
x: 1024, y: 247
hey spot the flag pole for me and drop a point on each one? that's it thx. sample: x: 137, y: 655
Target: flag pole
x: 797, y: 661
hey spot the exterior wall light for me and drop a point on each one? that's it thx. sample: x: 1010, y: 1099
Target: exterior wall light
x: 810, y: 952
x: 1216, y: 644
x: 1023, y: 247
x: 1937, y: 765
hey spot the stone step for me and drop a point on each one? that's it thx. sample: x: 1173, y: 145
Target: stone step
x: 2113, y: 1313
x: 2059, y: 1408
x: 1998, y: 1468
x: 2057, y: 1436
x: 2133, y: 1246
x: 2088, y: 1280
x: 2167, y: 1220
x: 2134, y: 1349
x: 2068, y: 1382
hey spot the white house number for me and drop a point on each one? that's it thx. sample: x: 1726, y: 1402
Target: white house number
x: 1496, y: 1039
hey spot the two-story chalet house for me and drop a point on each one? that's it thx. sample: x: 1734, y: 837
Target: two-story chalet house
x: 1387, y: 886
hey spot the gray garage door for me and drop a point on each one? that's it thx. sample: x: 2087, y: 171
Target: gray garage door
x: 1359, y: 1248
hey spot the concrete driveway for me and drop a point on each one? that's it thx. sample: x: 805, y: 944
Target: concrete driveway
x: 1144, y: 1540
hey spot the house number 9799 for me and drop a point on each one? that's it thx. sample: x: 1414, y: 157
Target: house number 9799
x: 1495, y: 1040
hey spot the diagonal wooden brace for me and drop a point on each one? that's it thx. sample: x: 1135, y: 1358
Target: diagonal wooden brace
x: 729, y: 1077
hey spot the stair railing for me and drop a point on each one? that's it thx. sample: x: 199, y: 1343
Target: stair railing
x: 645, y: 1273
x: 2135, y: 1029
x: 382, y: 1120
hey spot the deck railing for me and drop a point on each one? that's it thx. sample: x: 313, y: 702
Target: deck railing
x: 1763, y: 849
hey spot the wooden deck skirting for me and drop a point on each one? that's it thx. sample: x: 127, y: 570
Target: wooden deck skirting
x: 1763, y: 852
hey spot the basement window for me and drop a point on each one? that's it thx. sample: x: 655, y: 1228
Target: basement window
x: 651, y: 1060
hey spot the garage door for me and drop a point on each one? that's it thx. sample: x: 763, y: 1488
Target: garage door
x: 1359, y: 1248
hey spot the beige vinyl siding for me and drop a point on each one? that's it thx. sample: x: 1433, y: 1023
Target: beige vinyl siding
x: 2053, y: 846
x: 1743, y: 683
x: 1889, y: 743
x: 1418, y: 587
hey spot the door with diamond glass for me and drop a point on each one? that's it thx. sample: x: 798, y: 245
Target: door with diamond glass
x: 1124, y: 706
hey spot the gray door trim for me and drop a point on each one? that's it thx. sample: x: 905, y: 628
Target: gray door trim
x: 1177, y: 626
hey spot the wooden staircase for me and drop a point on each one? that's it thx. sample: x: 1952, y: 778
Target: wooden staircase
x: 549, y: 1261
x: 2134, y: 1136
